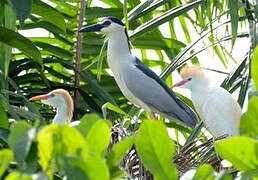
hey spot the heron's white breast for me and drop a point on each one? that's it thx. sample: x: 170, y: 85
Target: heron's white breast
x: 219, y: 111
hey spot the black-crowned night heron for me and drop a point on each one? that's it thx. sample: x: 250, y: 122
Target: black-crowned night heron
x: 217, y: 108
x: 137, y: 82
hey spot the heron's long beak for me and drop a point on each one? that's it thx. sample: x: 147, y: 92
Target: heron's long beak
x: 180, y: 83
x: 92, y: 28
x: 41, y: 97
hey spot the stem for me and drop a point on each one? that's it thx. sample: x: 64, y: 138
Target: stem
x: 78, y: 56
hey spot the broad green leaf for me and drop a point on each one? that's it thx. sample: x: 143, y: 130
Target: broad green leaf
x: 94, y: 167
x: 49, y: 13
x: 86, y: 123
x: 233, y: 7
x: 73, y: 168
x: 249, y: 120
x: 4, y: 118
x: 205, y: 171
x: 242, y: 152
x: 18, y: 41
x: 32, y: 159
x: 20, y: 140
x: 18, y: 176
x: 56, y: 141
x: 156, y: 149
x: 254, y: 67
x: 22, y: 8
x: 118, y: 151
x: 98, y: 138
x: 6, y: 156
x: 116, y: 173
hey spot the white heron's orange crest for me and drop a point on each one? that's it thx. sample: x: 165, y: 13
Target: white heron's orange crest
x: 194, y: 70
x: 68, y: 100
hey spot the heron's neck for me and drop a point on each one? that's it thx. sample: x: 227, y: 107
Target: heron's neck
x: 61, y: 115
x: 118, y: 44
x: 201, y: 85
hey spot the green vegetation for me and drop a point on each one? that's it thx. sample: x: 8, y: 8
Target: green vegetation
x: 114, y: 136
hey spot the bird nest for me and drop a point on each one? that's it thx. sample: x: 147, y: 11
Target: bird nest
x: 199, y: 151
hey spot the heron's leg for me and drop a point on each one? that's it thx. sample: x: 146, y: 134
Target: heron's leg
x: 152, y: 116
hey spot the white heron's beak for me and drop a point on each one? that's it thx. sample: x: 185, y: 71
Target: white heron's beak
x: 39, y: 98
x: 180, y: 83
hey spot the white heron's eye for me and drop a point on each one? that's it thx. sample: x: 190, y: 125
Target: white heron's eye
x: 107, y: 23
x: 189, y: 79
x: 51, y: 95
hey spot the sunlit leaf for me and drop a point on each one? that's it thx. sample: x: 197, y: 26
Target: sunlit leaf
x: 95, y: 167
x: 86, y: 123
x: 204, y: 172
x: 6, y: 156
x: 18, y: 176
x: 55, y: 141
x: 118, y: 151
x: 98, y: 138
x: 240, y: 151
x: 116, y: 173
x: 73, y: 168
x: 4, y: 118
x: 156, y: 149
x: 254, y: 67
x: 249, y: 120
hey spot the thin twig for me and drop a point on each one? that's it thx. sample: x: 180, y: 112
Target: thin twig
x: 78, y: 56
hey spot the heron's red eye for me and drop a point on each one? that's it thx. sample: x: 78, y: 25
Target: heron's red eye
x: 107, y: 23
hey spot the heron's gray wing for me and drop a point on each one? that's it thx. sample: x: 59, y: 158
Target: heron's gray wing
x: 150, y: 89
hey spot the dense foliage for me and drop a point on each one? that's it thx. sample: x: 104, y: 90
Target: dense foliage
x: 32, y: 65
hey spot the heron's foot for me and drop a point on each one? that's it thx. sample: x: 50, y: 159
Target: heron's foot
x: 152, y: 116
